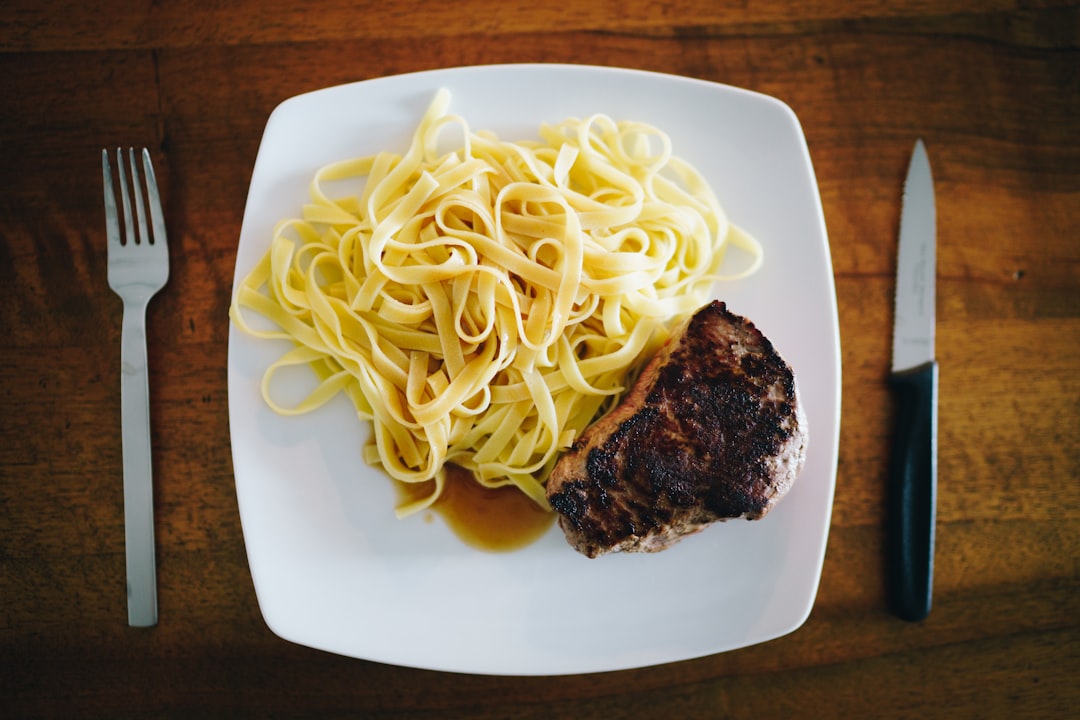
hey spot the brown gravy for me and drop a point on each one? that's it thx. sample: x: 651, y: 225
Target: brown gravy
x: 495, y: 520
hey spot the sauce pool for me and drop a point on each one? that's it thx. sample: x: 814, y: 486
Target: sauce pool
x: 492, y: 519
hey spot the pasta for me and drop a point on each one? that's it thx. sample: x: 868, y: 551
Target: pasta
x: 480, y: 306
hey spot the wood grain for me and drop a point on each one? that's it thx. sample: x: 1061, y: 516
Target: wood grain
x: 993, y: 89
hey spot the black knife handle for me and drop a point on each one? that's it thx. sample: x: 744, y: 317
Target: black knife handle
x: 913, y: 492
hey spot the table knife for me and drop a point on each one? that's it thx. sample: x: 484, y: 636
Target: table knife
x: 914, y: 382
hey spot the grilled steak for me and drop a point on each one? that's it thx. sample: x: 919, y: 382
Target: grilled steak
x: 711, y: 430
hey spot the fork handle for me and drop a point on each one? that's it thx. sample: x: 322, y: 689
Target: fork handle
x: 138, y: 477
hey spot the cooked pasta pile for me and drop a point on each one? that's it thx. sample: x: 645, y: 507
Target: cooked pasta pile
x: 481, y: 305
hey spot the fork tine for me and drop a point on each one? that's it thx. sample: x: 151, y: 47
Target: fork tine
x: 140, y: 206
x: 112, y: 222
x: 129, y: 226
x: 157, y: 220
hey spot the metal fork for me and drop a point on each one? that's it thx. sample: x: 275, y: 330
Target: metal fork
x: 138, y: 268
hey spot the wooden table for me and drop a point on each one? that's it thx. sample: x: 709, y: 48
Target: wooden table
x: 993, y: 89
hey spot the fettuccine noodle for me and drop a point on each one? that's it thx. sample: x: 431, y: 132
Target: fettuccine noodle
x: 481, y: 306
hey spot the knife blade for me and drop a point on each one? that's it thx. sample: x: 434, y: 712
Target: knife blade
x: 914, y: 381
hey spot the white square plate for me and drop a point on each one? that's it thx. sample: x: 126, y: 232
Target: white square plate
x: 332, y: 567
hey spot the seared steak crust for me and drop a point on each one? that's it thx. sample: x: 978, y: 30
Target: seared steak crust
x: 711, y: 430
